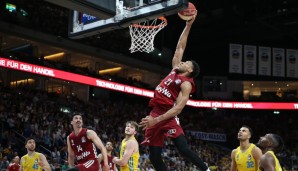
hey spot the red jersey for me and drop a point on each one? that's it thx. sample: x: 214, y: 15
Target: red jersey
x: 167, y: 91
x: 83, y: 148
x: 14, y: 167
x: 110, y: 162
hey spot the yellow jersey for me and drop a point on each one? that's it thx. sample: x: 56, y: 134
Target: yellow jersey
x: 133, y: 161
x: 277, y: 165
x: 245, y: 160
x: 31, y: 163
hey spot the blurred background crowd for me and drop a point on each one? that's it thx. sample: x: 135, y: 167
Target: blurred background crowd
x: 26, y: 111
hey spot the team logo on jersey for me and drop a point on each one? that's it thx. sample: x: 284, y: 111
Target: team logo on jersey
x: 178, y: 81
x: 83, y: 139
x: 164, y: 91
x: 172, y: 131
x: 249, y: 157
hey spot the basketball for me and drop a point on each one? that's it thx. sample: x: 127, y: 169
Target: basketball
x: 188, y: 13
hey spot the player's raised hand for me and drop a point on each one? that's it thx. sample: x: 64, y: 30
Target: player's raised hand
x: 189, y: 22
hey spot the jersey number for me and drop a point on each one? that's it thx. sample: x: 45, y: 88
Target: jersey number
x: 35, y: 166
x: 168, y: 82
x: 79, y: 148
x: 177, y: 120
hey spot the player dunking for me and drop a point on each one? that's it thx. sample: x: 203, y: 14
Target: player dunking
x: 109, y: 147
x: 81, y: 147
x: 169, y: 99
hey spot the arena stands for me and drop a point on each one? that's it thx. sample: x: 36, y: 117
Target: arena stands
x: 28, y: 112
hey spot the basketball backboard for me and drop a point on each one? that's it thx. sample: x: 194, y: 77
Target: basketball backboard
x: 102, y: 9
x: 84, y: 24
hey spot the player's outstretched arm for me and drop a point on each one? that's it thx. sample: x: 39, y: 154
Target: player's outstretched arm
x: 267, y: 162
x: 71, y: 156
x: 98, y: 143
x: 181, y: 45
x: 257, y: 154
x: 233, y: 162
x: 181, y: 101
x: 44, y: 163
x: 131, y: 147
x: 99, y: 158
x: 21, y: 163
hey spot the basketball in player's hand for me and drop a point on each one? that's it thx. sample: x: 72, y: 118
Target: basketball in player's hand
x: 188, y: 13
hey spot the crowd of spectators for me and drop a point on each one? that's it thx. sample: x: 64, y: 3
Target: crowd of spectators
x: 33, y: 113
x: 27, y: 112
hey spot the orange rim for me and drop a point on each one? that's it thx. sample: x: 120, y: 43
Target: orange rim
x: 153, y: 27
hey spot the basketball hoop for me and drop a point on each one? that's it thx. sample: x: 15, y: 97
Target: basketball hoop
x: 142, y: 35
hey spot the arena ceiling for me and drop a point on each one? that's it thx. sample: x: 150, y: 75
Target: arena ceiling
x: 255, y: 22
x: 271, y: 23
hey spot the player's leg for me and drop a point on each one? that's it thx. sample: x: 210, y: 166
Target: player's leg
x: 154, y: 139
x: 156, y: 159
x: 183, y: 148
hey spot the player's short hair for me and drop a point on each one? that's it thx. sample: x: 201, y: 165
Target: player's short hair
x: 195, y: 70
x: 279, y: 143
x: 109, y: 142
x: 29, y: 138
x: 133, y: 123
x: 74, y: 114
x: 249, y: 128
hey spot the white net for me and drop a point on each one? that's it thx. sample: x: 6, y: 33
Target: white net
x: 142, y: 35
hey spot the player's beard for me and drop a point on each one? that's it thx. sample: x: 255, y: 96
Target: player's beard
x: 31, y: 149
x: 79, y: 124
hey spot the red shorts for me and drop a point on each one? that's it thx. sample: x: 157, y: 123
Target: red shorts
x: 154, y: 136
x: 90, y: 165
